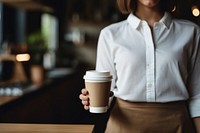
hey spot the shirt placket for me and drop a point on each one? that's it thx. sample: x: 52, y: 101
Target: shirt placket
x: 150, y: 65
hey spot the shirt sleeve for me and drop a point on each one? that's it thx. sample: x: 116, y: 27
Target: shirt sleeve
x: 194, y: 79
x: 104, y: 59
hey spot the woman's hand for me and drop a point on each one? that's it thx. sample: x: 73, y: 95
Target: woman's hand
x: 84, y: 98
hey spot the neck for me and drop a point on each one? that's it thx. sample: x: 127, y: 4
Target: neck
x: 149, y: 14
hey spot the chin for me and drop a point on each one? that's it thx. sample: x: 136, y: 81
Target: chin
x: 149, y: 3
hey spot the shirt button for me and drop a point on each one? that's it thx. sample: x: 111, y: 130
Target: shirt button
x: 149, y: 85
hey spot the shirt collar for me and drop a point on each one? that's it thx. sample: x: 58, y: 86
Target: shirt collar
x: 166, y: 20
x: 135, y: 21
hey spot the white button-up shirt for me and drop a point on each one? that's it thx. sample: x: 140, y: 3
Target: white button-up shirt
x: 162, y: 65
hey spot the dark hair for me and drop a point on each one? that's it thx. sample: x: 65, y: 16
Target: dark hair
x: 128, y: 6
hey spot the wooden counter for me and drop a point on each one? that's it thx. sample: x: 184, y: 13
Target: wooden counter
x: 28, y: 89
x: 45, y: 128
x: 7, y: 99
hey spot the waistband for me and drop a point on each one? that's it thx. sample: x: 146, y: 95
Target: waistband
x: 176, y: 104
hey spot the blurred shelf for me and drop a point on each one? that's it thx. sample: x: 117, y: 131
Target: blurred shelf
x: 32, y: 5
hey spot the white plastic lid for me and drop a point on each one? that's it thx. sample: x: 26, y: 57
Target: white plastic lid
x: 97, y: 75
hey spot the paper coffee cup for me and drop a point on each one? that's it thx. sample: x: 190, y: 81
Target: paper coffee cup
x: 98, y: 84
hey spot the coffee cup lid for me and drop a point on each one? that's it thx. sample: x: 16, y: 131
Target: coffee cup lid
x: 97, y: 75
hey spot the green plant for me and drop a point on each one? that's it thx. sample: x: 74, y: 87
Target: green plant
x: 37, y: 47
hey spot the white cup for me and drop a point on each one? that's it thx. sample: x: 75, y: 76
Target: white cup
x: 98, y: 84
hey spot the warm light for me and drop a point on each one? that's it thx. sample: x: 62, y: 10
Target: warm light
x: 195, y: 11
x: 174, y: 9
x: 22, y: 57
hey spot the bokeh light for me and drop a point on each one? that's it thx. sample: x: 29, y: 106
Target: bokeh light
x: 195, y: 11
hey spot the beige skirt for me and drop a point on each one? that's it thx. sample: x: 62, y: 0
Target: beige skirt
x: 129, y: 117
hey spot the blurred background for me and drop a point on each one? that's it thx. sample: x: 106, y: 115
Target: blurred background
x: 45, y: 48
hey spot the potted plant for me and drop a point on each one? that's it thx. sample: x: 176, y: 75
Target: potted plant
x: 37, y: 47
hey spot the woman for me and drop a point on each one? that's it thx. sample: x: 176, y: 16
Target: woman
x: 155, y: 63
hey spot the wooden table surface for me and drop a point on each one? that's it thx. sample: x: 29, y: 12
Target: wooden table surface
x: 45, y: 128
x: 6, y: 99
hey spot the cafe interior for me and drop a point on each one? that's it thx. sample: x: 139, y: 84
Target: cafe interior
x: 45, y: 48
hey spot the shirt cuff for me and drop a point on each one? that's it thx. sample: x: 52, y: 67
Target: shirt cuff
x: 194, y: 107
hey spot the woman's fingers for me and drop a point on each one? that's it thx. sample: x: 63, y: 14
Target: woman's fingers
x: 84, y: 91
x: 86, y: 103
x: 84, y: 98
x: 86, y: 107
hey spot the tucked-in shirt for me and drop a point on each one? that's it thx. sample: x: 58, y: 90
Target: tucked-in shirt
x: 159, y: 65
